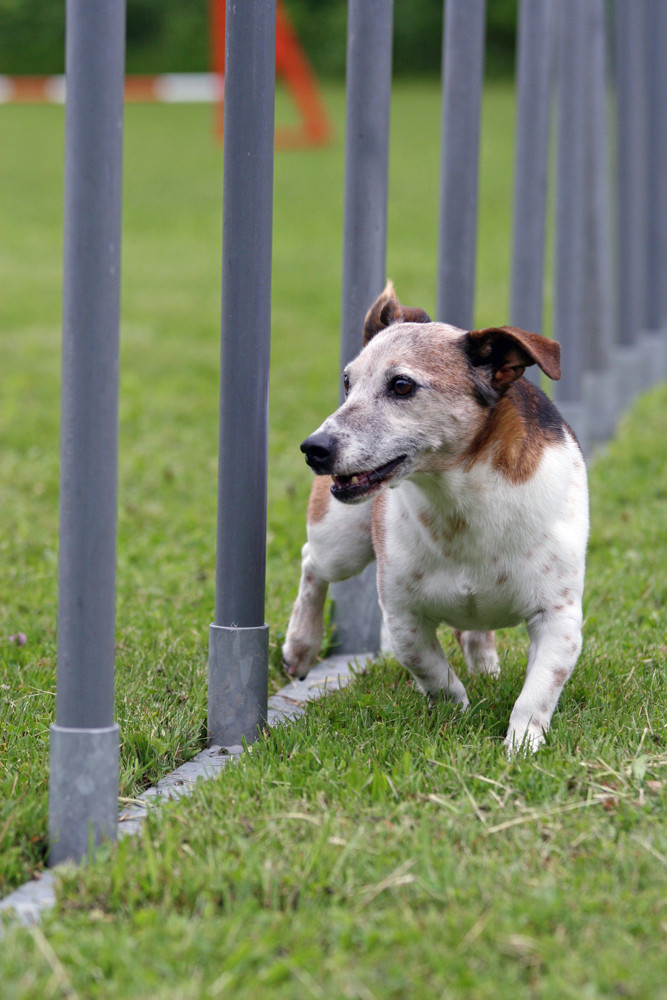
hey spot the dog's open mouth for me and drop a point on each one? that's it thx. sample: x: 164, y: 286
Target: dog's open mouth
x: 360, y: 485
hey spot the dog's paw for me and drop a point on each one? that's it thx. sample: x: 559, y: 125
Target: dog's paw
x: 479, y: 652
x: 453, y: 691
x: 298, y: 658
x: 524, y: 739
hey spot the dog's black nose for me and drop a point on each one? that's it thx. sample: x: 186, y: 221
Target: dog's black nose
x: 319, y: 450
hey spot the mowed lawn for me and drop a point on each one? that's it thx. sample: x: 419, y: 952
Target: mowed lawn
x: 378, y: 847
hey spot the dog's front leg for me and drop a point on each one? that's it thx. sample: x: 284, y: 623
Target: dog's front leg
x: 306, y: 624
x: 555, y: 644
x: 339, y: 546
x: 415, y: 645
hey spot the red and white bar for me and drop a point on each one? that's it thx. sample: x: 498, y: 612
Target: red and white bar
x: 178, y: 88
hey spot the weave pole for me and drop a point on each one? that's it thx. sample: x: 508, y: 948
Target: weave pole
x: 535, y: 46
x: 598, y: 386
x: 83, y: 792
x: 655, y: 313
x: 238, y: 637
x: 570, y: 227
x: 631, y: 205
x: 356, y: 612
x: 463, y: 64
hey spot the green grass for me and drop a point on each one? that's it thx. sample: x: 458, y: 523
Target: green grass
x: 377, y: 847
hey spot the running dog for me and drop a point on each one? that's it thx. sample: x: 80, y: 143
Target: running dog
x: 463, y: 481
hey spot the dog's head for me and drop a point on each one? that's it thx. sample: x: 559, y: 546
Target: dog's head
x: 417, y: 395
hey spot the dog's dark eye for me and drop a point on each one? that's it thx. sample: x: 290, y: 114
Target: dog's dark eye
x: 346, y: 382
x: 402, y: 386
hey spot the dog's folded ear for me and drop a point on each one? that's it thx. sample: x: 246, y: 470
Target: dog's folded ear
x: 506, y: 351
x: 387, y: 310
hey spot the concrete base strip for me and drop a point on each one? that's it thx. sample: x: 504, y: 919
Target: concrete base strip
x: 28, y: 902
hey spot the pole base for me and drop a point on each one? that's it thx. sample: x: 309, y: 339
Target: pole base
x: 83, y: 791
x: 238, y: 683
x: 356, y: 613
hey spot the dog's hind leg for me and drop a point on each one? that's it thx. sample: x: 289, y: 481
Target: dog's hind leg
x: 479, y: 651
x: 339, y: 546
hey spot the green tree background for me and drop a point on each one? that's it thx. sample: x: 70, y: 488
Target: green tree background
x: 173, y: 35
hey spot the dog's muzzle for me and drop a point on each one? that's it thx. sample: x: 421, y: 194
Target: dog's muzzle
x: 320, y: 451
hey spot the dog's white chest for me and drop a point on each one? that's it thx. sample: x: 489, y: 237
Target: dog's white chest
x: 492, y: 556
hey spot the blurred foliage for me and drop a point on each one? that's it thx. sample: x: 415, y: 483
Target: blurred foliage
x: 173, y: 35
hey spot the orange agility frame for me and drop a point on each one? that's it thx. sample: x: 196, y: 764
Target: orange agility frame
x: 293, y: 66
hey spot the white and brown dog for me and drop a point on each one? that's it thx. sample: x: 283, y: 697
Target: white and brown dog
x: 478, y: 512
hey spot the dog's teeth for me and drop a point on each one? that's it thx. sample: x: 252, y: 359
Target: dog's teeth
x: 355, y: 479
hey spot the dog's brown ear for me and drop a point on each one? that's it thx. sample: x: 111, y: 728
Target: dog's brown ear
x: 387, y: 310
x: 507, y: 351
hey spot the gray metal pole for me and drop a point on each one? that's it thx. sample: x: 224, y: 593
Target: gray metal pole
x: 463, y: 64
x: 367, y: 107
x: 238, y: 638
x: 631, y: 179
x: 534, y: 78
x: 570, y: 242
x: 599, y: 389
x: 369, y: 37
x: 83, y: 795
x: 655, y: 316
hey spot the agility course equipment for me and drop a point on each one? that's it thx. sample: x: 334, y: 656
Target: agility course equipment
x: 610, y: 309
x: 84, y: 738
x: 356, y: 613
x: 239, y: 641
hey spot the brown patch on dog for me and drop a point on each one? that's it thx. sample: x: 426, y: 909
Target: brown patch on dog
x: 457, y: 524
x: 519, y: 428
x: 319, y: 499
x: 378, y: 531
x: 428, y: 523
x: 515, y: 349
x: 387, y: 310
x: 426, y: 519
x: 501, y: 578
x: 559, y: 677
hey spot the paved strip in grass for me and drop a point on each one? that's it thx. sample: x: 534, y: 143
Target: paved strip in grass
x: 29, y: 901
